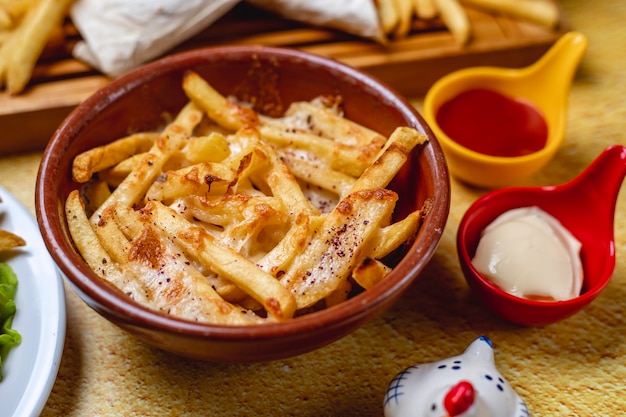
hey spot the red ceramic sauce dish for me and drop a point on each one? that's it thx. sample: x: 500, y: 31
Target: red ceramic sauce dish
x: 594, y: 192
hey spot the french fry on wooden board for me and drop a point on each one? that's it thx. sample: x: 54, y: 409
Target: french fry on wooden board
x: 405, y: 16
x: 388, y: 14
x: 396, y: 16
x: 12, y: 11
x: 252, y: 218
x: 541, y: 12
x: 455, y: 19
x: 21, y: 50
x: 425, y: 9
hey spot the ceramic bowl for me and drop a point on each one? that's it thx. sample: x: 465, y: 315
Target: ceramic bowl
x: 274, y: 78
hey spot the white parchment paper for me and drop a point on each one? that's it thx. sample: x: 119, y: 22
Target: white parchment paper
x: 119, y: 35
x: 122, y: 34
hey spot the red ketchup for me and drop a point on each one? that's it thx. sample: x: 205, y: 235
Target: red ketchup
x: 493, y: 124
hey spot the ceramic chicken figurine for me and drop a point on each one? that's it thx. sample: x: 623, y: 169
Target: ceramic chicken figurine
x: 467, y: 385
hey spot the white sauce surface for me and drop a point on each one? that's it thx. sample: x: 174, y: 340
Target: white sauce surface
x: 528, y: 253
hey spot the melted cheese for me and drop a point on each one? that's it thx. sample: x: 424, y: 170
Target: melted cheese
x: 529, y: 253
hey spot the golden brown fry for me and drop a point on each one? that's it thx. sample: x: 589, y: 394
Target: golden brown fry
x: 225, y: 112
x: 369, y: 272
x: 318, y: 174
x: 292, y: 243
x: 92, y: 251
x: 6, y: 21
x: 341, y: 294
x: 116, y: 174
x: 96, y: 159
x: 329, y: 123
x: 32, y: 36
x: 456, y: 20
x: 94, y: 194
x: 283, y: 184
x: 405, y: 15
x: 425, y: 9
x: 13, y: 11
x: 210, y: 148
x: 202, y: 178
x: 391, y: 237
x: 388, y: 14
x: 390, y: 160
x: 542, y: 12
x: 9, y: 240
x: 351, y: 160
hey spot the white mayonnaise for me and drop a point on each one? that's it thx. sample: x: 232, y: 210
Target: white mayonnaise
x: 529, y: 253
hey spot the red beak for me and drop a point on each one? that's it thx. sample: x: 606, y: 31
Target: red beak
x: 459, y: 398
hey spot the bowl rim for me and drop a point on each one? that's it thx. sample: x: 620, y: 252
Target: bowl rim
x: 350, y: 311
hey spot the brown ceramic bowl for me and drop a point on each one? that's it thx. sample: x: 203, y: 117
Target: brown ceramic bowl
x: 137, y: 102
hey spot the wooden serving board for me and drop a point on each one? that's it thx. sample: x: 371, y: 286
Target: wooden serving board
x: 409, y: 65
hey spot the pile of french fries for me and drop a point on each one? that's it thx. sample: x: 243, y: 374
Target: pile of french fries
x: 396, y: 15
x: 229, y: 216
x: 25, y: 28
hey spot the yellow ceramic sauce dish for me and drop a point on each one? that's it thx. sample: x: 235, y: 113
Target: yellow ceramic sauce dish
x: 544, y: 85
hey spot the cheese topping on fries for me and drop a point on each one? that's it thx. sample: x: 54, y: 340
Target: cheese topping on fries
x: 229, y: 216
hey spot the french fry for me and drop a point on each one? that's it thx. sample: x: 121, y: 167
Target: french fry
x: 210, y: 148
x: 116, y: 174
x: 202, y: 178
x: 541, y: 12
x: 329, y: 123
x: 425, y: 9
x: 292, y: 243
x: 341, y: 294
x: 388, y: 15
x: 455, y: 18
x: 392, y: 236
x: 98, y: 259
x: 283, y: 184
x: 31, y: 37
x: 318, y: 174
x: 9, y: 240
x: 96, y: 159
x: 369, y: 272
x: 6, y: 21
x: 390, y: 160
x: 225, y: 112
x: 349, y: 159
x: 405, y: 15
x: 94, y: 194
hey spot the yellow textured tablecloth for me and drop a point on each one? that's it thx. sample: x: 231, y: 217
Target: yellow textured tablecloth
x: 573, y: 368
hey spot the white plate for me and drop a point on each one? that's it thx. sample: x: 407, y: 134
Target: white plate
x: 31, y: 368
